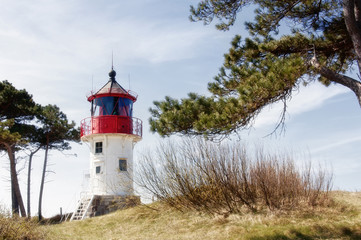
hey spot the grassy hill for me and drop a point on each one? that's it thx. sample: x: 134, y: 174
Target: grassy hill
x: 341, y: 221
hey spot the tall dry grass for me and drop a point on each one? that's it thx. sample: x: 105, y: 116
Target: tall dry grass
x: 226, y: 178
x: 16, y: 228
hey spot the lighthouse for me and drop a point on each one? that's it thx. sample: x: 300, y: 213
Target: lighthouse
x: 111, y: 133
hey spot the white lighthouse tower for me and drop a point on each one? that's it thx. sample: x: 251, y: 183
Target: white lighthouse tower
x: 111, y: 132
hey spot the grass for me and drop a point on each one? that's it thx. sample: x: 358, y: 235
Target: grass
x: 16, y: 228
x: 340, y: 221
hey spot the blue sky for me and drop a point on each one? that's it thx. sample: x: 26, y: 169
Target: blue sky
x: 61, y: 50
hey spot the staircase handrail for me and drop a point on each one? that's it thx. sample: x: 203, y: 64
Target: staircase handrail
x: 87, y: 207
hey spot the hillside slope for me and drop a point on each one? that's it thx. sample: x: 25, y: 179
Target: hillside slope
x: 341, y: 221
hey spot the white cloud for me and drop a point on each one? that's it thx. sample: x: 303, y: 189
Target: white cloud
x: 336, y: 144
x: 70, y: 35
x: 169, y: 45
x: 306, y: 99
x: 52, y: 43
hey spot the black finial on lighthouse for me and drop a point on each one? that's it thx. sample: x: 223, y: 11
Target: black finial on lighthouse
x: 112, y: 74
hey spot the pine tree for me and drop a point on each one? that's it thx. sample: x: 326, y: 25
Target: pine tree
x: 323, y: 44
x: 16, y: 109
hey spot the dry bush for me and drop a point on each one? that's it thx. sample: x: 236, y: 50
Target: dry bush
x: 16, y: 228
x: 225, y: 178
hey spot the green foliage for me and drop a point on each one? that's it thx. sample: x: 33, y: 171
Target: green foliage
x: 6, y: 136
x: 263, y: 68
x: 221, y: 9
x: 15, y: 104
x: 55, y: 128
x: 16, y: 108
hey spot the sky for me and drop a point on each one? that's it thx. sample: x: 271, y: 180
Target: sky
x: 60, y: 51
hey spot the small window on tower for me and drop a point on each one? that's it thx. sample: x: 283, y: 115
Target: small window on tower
x: 98, y: 147
x: 122, y: 165
x: 97, y: 169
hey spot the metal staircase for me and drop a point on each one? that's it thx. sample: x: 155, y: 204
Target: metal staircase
x: 83, y: 209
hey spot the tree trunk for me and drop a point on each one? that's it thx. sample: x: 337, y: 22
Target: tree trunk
x: 351, y: 12
x: 14, y: 202
x: 43, y: 180
x: 17, y: 200
x: 29, y: 180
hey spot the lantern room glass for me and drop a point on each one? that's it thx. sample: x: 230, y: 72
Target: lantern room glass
x: 118, y: 106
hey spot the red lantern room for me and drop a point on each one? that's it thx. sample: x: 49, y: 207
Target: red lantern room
x: 112, y: 111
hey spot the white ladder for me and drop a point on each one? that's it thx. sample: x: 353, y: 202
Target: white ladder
x: 82, y: 210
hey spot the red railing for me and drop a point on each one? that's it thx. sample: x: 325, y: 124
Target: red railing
x: 111, y: 124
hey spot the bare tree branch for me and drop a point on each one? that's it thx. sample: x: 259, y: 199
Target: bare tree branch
x: 346, y: 81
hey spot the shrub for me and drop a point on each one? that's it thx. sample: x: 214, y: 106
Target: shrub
x: 225, y: 178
